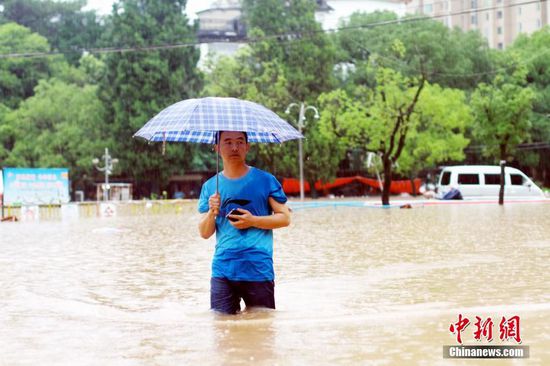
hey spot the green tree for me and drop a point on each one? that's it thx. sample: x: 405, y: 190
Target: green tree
x: 502, y: 110
x: 443, y: 119
x: 405, y: 121
x: 19, y: 75
x: 533, y: 50
x: 450, y: 58
x: 389, y: 118
x: 60, y: 126
x: 65, y: 24
x: 138, y: 85
x: 295, y: 39
x: 330, y: 140
x: 7, y: 134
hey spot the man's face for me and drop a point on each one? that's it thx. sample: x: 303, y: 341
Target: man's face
x: 233, y: 146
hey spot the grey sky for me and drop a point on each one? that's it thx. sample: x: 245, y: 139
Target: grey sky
x: 104, y: 6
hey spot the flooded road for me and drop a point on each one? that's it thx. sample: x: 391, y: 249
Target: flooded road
x: 353, y: 286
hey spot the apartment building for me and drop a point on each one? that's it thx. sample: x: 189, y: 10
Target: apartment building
x: 499, y: 21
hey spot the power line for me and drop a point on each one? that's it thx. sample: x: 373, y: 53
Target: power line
x: 291, y: 36
x: 454, y: 75
x: 524, y: 146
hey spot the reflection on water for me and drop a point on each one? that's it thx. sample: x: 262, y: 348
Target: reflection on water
x: 354, y: 286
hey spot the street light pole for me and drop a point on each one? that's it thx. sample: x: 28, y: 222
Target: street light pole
x: 301, y: 124
x: 109, y: 163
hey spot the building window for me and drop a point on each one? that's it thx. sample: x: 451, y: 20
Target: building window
x: 486, y: 16
x: 499, y: 30
x: 474, y: 4
x: 499, y: 14
x: 474, y: 19
x: 519, y: 10
x: 500, y: 45
x: 538, y: 23
x: 520, y: 28
x: 428, y: 8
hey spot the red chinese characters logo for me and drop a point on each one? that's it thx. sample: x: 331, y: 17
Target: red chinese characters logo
x: 483, y: 329
x: 458, y: 327
x: 509, y: 328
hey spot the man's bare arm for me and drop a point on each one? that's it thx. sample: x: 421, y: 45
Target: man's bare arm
x: 207, y: 225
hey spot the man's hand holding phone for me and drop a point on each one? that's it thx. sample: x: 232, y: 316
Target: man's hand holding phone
x: 233, y: 213
x: 240, y: 218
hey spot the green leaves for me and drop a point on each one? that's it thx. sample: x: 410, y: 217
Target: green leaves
x: 443, y: 117
x: 296, y: 42
x: 450, y: 58
x: 502, y: 111
x: 60, y: 126
x: 18, y: 76
x: 66, y: 26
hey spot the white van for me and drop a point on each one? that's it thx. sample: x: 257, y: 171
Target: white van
x: 484, y: 181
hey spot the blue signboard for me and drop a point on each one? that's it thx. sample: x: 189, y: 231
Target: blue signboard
x: 25, y: 186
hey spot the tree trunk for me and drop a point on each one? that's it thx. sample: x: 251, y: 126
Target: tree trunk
x: 413, y: 188
x: 503, y: 154
x: 387, y: 182
x: 312, y: 191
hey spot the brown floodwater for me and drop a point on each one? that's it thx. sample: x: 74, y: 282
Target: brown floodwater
x: 353, y: 286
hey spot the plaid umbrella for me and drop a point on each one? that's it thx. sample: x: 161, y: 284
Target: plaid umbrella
x: 199, y: 120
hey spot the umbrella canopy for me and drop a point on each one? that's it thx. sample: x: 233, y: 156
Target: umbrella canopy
x: 198, y: 120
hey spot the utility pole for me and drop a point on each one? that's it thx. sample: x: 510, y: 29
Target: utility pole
x: 301, y: 124
x: 107, y: 167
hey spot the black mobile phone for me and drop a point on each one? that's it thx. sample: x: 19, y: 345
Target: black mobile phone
x: 233, y: 212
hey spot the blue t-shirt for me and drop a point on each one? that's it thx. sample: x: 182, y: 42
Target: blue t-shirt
x: 243, y: 255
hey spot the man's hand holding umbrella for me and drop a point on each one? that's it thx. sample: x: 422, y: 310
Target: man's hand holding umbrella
x: 214, y: 204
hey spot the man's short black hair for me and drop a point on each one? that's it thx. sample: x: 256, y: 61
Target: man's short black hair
x: 220, y: 133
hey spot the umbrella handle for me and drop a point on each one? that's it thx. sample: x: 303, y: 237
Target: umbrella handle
x: 217, y: 160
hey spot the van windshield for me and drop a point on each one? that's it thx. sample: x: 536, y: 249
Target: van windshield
x: 445, y: 178
x: 517, y: 179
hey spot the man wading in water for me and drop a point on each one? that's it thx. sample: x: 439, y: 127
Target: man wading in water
x: 249, y: 205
